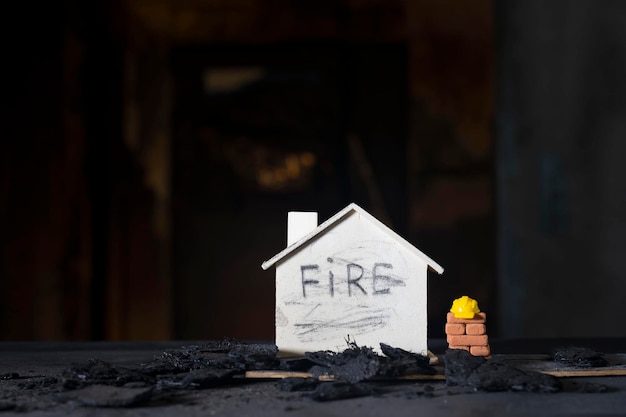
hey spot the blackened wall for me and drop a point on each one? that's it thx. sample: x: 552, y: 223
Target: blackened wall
x: 561, y: 195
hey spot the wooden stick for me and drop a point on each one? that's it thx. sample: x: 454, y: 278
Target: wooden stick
x: 277, y: 374
x: 588, y: 372
x: 291, y: 374
x: 420, y: 377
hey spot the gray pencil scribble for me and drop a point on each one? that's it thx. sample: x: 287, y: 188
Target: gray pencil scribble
x: 356, y: 320
x: 312, y: 310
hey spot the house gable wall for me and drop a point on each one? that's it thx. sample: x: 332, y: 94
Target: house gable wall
x: 352, y: 281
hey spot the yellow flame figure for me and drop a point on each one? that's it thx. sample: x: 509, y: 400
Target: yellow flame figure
x: 464, y: 308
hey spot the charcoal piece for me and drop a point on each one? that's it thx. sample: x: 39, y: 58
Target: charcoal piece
x: 159, y: 366
x: 292, y: 384
x: 324, y: 358
x: 34, y: 383
x: 353, y: 365
x: 497, y: 376
x: 475, y: 372
x: 204, y: 378
x: 400, y: 362
x: 356, y: 363
x: 100, y: 372
x: 107, y: 396
x: 318, y: 371
x: 332, y: 391
x: 217, y: 346
x: 226, y: 354
x: 579, y: 357
x: 255, y: 356
x: 404, y: 355
x: 460, y: 364
x: 170, y: 382
x: 174, y: 361
x: 295, y: 364
x: 195, y: 379
x: 93, y: 369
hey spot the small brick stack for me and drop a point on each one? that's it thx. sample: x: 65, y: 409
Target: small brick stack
x: 468, y: 334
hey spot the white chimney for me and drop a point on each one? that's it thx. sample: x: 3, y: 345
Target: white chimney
x: 300, y: 224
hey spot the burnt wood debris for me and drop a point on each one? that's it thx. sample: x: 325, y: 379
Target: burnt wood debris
x: 579, y: 356
x: 357, y: 371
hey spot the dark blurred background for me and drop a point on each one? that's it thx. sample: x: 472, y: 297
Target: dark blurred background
x: 150, y: 150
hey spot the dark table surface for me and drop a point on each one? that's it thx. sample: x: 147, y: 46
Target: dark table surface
x: 36, y: 360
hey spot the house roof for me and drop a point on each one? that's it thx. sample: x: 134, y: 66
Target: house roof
x: 352, y: 208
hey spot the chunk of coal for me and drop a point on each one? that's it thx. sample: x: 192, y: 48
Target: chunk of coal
x: 34, y: 383
x: 295, y: 364
x: 466, y: 370
x: 107, y: 396
x: 579, y: 357
x: 226, y: 354
x: 497, y: 376
x: 292, y: 384
x: 173, y: 361
x: 332, y: 391
x: 203, y: 378
x: 403, y: 355
x: 319, y: 371
x: 354, y: 364
x: 96, y: 371
x: 400, y: 362
x: 100, y: 372
x: 460, y: 364
x: 255, y: 356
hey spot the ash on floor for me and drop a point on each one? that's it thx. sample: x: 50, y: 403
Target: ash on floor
x: 173, y: 377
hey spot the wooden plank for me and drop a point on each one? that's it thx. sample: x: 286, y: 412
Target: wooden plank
x: 436, y: 377
x: 587, y: 372
x: 277, y: 374
x: 537, y: 363
x: 290, y: 374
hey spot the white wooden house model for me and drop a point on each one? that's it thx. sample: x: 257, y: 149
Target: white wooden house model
x: 350, y: 277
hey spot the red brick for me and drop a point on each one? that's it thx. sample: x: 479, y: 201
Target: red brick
x: 475, y: 329
x: 478, y: 318
x: 480, y: 340
x: 459, y: 347
x: 455, y: 328
x: 480, y: 350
